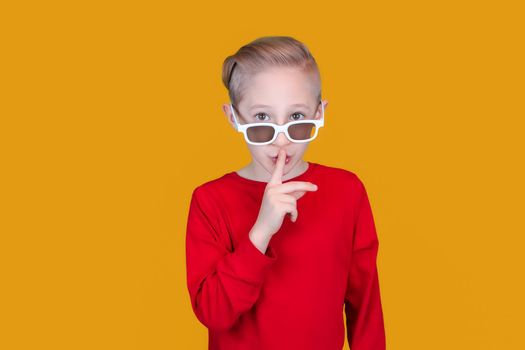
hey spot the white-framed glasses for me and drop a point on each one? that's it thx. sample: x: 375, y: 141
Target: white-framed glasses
x: 298, y: 131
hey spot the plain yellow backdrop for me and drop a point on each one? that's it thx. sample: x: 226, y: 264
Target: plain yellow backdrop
x: 110, y: 117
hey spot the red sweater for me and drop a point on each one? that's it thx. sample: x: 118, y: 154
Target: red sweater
x: 292, y: 296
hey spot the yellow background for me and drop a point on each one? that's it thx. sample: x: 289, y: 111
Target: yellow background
x: 110, y: 117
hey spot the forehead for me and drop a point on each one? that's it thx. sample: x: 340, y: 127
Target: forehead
x: 279, y: 86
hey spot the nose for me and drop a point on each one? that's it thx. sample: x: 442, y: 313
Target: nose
x: 281, y: 140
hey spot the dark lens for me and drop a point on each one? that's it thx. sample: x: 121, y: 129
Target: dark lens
x: 302, y: 131
x: 261, y: 133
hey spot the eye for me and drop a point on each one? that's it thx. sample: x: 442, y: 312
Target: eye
x: 295, y: 114
x: 259, y: 114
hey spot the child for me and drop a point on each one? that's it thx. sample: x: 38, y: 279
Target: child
x: 257, y: 278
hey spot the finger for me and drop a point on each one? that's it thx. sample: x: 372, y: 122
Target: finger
x: 293, y: 215
x: 297, y: 194
x: 278, y: 169
x: 286, y: 198
x: 291, y: 211
x: 296, y: 186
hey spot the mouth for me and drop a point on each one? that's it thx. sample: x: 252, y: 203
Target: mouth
x: 274, y: 159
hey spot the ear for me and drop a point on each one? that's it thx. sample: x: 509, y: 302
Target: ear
x: 325, y: 103
x: 319, y: 110
x: 227, y: 110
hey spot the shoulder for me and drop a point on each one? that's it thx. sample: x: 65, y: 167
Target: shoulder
x: 345, y: 187
x: 342, y: 185
x: 211, y: 190
x: 341, y: 177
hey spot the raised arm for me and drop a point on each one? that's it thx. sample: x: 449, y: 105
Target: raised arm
x: 222, y: 284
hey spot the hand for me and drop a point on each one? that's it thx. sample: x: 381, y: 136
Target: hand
x: 280, y: 199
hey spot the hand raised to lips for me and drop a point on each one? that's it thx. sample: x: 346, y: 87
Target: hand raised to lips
x: 287, y: 159
x: 280, y: 199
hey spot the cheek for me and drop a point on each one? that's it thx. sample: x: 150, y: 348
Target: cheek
x: 258, y: 151
x: 300, y: 148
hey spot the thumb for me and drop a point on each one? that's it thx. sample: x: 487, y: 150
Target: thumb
x: 294, y: 215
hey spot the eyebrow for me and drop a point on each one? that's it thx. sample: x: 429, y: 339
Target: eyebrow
x: 264, y: 106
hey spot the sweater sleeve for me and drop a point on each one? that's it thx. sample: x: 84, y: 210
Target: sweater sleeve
x: 364, y: 315
x: 222, y: 284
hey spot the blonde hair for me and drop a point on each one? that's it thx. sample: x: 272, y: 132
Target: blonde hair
x: 262, y: 53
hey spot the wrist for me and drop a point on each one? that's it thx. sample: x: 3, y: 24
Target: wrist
x: 259, y: 233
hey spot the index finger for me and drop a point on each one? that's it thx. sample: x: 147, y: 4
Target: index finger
x: 278, y: 169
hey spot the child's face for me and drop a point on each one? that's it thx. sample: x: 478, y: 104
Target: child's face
x: 277, y: 88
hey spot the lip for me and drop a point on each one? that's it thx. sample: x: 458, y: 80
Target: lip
x: 287, y: 160
x: 287, y: 155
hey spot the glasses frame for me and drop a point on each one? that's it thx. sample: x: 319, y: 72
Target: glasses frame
x: 319, y: 123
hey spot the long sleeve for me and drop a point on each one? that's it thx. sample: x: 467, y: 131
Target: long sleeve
x: 222, y: 284
x: 364, y: 315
